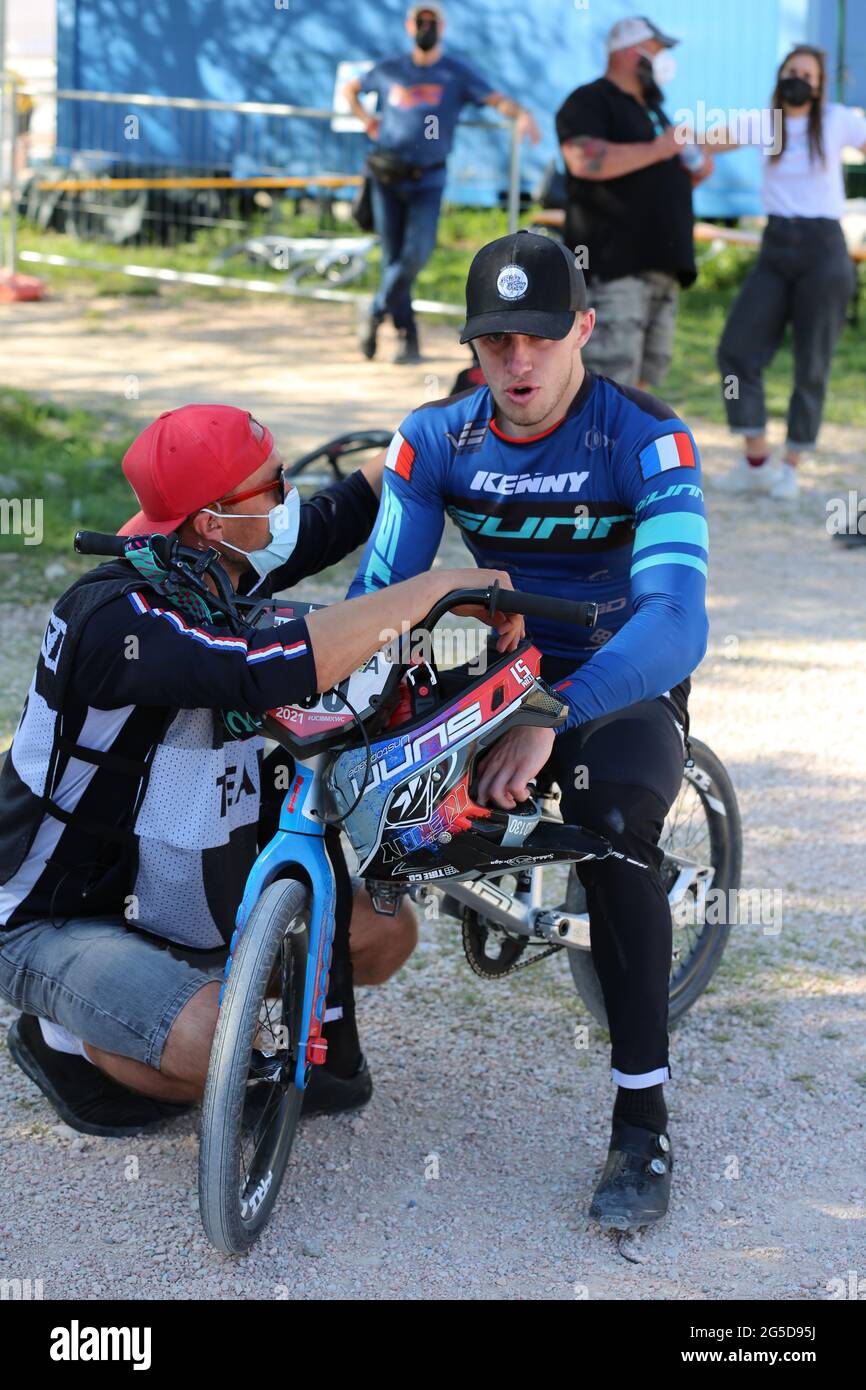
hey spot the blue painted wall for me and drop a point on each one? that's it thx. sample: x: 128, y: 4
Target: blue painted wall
x: 536, y: 50
x: 825, y: 25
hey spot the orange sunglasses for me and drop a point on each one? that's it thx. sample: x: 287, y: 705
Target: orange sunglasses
x: 280, y: 482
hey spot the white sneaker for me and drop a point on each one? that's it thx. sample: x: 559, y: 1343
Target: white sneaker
x: 743, y: 477
x: 786, y: 484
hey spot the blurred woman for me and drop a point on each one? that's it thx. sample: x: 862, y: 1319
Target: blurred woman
x: 803, y: 276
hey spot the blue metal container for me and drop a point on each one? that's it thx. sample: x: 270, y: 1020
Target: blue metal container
x: 535, y: 50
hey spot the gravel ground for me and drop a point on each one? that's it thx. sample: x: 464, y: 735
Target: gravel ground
x: 469, y: 1174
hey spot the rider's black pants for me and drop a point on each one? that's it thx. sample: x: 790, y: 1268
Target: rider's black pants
x: 619, y: 776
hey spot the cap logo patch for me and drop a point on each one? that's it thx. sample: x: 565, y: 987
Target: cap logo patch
x: 512, y: 282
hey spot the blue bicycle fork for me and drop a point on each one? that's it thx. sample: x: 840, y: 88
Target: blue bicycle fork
x: 299, y: 841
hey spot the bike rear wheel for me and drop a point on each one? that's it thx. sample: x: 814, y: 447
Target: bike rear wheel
x: 334, y: 454
x: 251, y: 1105
x: 702, y: 831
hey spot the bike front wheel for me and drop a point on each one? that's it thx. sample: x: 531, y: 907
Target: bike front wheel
x: 251, y: 1104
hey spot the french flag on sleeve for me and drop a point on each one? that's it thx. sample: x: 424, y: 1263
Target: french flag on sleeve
x: 671, y: 451
x: 400, y: 456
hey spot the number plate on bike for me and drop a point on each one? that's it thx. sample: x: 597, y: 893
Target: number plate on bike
x: 303, y: 728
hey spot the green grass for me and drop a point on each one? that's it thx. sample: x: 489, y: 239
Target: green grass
x: 67, y: 460
x: 806, y: 1079
x: 187, y: 256
x: 462, y: 231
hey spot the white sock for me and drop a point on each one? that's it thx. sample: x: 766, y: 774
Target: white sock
x: 61, y: 1040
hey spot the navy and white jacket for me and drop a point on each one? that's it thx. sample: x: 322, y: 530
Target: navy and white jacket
x: 122, y: 793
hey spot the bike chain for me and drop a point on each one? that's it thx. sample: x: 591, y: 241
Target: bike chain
x: 512, y: 969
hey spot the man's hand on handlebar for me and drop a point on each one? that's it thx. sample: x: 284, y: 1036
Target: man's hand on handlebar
x: 510, y: 626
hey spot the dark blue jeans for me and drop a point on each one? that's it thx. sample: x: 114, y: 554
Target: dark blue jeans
x: 803, y: 276
x: 405, y: 217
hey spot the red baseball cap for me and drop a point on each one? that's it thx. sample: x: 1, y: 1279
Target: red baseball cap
x: 188, y: 458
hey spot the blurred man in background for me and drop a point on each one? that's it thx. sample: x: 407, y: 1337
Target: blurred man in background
x: 630, y: 204
x: 421, y: 95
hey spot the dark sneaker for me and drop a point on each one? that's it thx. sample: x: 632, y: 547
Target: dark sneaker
x: 368, y: 328
x: 83, y: 1096
x: 635, y: 1186
x: 326, y: 1093
x: 408, y: 351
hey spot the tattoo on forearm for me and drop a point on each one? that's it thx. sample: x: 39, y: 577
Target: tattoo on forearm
x: 592, y: 150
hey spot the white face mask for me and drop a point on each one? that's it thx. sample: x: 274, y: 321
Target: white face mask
x: 283, y: 523
x: 664, y: 65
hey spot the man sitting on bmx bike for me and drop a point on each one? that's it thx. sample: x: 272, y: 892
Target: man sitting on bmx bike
x: 582, y: 489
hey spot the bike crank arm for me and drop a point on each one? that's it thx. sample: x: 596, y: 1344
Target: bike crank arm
x: 492, y: 903
x: 564, y: 928
x: 511, y: 912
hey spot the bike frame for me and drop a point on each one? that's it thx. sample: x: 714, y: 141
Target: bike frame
x: 525, y: 914
x: 298, y: 850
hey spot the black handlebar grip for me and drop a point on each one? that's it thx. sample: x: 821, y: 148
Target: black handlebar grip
x: 96, y: 543
x: 560, y: 610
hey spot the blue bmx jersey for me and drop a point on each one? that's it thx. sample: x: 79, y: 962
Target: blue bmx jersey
x: 606, y: 505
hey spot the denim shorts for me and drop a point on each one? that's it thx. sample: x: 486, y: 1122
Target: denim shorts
x: 108, y: 985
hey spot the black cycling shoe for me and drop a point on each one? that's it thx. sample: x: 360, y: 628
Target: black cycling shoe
x: 635, y: 1186
x: 83, y: 1096
x: 326, y: 1093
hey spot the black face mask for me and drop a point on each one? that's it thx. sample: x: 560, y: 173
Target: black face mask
x: 796, y: 91
x: 652, y: 92
x: 427, y: 34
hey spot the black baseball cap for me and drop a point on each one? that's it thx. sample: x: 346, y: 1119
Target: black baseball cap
x: 523, y: 283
